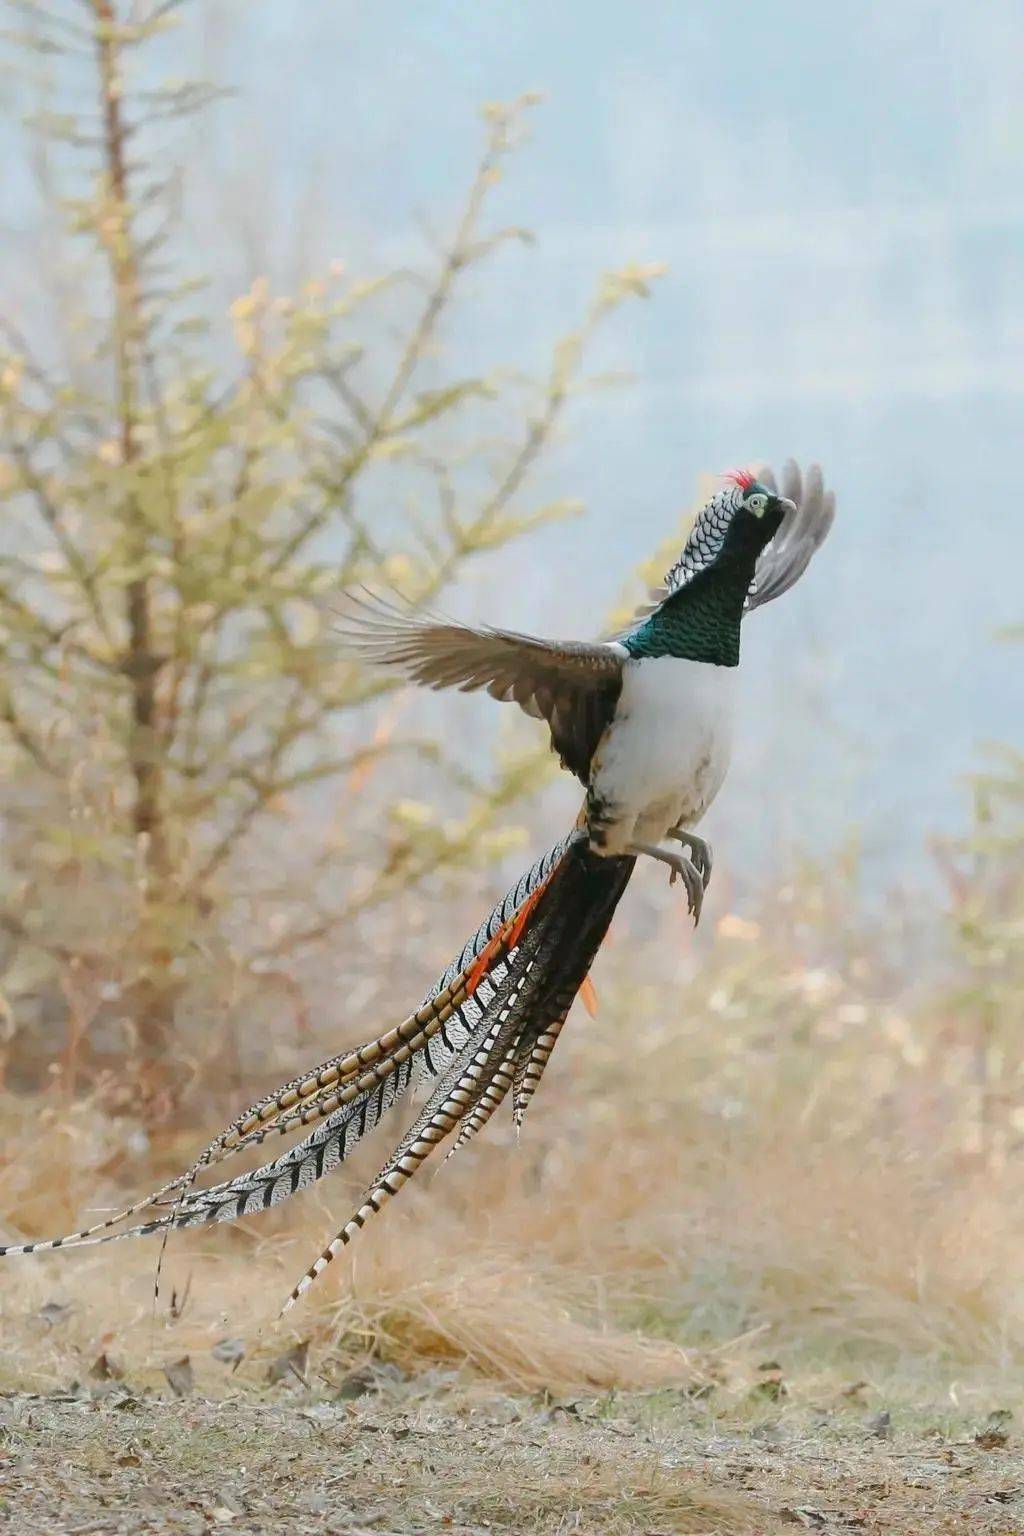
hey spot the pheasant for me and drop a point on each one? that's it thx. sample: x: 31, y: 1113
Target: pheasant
x: 644, y: 720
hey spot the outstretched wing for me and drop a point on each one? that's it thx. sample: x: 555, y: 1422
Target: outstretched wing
x: 786, y: 558
x: 573, y: 685
x: 802, y: 532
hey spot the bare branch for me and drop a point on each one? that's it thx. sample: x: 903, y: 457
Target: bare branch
x: 73, y: 556
x: 379, y: 425
x: 24, y: 736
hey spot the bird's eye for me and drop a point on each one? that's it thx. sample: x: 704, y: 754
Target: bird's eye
x: 757, y: 503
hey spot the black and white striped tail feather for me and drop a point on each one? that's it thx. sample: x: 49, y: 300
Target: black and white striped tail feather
x: 301, y: 1165
x: 362, y: 1101
x: 236, y: 1197
x: 557, y: 949
x: 343, y: 1130
x: 439, y: 1056
x: 309, y: 1113
x: 436, y: 1015
x: 524, y: 1063
x: 492, y: 1097
x: 537, y: 1043
x: 451, y: 1019
x: 336, y: 1083
x: 431, y: 1017
x: 353, y: 1094
x: 319, y: 1153
x: 433, y: 1060
x: 505, y: 910
x: 518, y: 1072
x: 460, y: 1091
x: 531, y: 1058
x: 444, y: 1044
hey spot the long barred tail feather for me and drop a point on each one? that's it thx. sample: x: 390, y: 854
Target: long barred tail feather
x: 88, y: 1235
x: 491, y: 1098
x: 486, y: 1028
x: 236, y: 1196
x: 555, y: 947
x: 313, y: 1110
x: 353, y: 1095
x: 537, y: 1041
x: 363, y: 1102
x: 394, y: 1044
x: 532, y: 1056
x: 458, y: 1093
x: 342, y: 1080
x: 362, y: 1110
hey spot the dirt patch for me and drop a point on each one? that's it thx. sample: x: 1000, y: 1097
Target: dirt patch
x: 409, y: 1457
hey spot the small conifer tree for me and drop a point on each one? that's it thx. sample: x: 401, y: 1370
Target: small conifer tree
x: 182, y: 506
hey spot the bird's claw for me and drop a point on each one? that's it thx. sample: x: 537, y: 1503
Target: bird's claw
x: 682, y: 867
x: 699, y: 852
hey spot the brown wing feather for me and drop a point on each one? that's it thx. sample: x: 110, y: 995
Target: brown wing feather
x: 571, y: 684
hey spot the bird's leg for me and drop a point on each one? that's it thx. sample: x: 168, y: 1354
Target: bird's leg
x: 679, y: 864
x: 699, y: 850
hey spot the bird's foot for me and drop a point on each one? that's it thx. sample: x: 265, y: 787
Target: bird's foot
x: 699, y: 851
x: 680, y: 868
x: 693, y: 881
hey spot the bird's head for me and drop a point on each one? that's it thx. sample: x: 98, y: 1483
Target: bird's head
x: 739, y: 521
x: 752, y: 511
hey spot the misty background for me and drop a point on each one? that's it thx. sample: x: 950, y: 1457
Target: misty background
x: 835, y: 192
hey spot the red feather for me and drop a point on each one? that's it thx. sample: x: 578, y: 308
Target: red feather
x: 741, y: 477
x: 507, y: 937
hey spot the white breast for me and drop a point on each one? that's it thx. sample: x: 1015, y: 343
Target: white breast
x: 666, y: 753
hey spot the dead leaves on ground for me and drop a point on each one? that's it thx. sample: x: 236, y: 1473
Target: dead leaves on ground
x: 180, y: 1376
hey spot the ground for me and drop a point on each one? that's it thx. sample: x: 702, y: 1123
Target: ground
x: 386, y: 1453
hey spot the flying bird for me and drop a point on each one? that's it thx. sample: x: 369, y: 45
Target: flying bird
x: 644, y: 720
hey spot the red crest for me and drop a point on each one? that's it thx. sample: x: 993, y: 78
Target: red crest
x: 741, y: 477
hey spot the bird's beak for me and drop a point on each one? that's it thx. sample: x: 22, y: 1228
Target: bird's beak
x: 788, y: 507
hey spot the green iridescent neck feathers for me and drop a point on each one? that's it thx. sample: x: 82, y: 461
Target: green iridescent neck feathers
x: 699, y: 619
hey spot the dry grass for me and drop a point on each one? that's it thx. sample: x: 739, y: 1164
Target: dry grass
x: 548, y: 1268
x: 769, y: 1159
